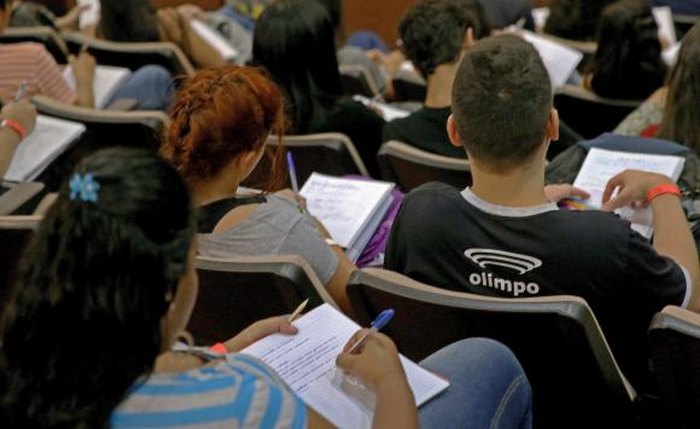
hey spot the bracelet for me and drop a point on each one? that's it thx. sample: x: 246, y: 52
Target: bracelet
x: 663, y: 189
x: 219, y: 348
x: 15, y: 126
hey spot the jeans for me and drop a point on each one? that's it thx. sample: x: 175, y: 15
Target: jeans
x: 488, y: 388
x: 152, y: 86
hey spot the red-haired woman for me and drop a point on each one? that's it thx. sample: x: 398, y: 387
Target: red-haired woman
x: 220, y: 121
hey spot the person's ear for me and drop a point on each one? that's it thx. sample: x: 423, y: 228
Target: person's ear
x: 468, y: 39
x: 452, y: 132
x: 553, y: 125
x: 247, y: 161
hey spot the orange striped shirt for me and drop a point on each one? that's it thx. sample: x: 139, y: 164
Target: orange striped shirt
x: 32, y: 63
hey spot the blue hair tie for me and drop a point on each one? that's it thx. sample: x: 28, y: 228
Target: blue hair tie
x: 83, y: 188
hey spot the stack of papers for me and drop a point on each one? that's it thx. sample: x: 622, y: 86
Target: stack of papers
x: 50, y: 138
x: 601, y: 165
x: 306, y: 362
x: 107, y: 81
x: 350, y: 209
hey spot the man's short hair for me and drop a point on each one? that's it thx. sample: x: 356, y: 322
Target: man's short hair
x: 432, y: 33
x: 501, y: 101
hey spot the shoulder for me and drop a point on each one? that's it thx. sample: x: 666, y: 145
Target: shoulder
x: 430, y: 198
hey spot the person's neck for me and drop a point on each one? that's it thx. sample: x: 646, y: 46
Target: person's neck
x: 214, y: 190
x: 520, y: 187
x: 439, y: 93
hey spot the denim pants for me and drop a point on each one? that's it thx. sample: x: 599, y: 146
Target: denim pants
x: 152, y: 86
x: 488, y: 388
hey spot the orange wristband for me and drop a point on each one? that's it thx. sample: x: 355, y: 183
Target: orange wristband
x: 15, y: 126
x: 663, y: 189
x: 219, y: 348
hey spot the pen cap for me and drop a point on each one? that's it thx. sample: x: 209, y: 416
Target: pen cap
x: 383, y: 318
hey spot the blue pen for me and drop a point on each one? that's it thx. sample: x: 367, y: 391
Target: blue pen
x: 292, y: 172
x: 378, y: 323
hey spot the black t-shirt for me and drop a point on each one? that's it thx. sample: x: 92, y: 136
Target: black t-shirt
x: 425, y: 129
x: 455, y: 240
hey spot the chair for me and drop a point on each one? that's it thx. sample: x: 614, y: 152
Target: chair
x: 46, y: 36
x: 575, y: 379
x: 674, y: 336
x: 15, y: 232
x: 132, y: 55
x: 328, y: 153
x: 684, y: 23
x: 588, y: 114
x: 356, y: 79
x: 233, y: 293
x: 104, y: 128
x: 410, y: 167
x: 15, y: 196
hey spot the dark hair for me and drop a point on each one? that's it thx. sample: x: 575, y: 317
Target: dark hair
x: 432, y: 33
x: 128, y: 21
x: 294, y: 41
x: 3, y: 4
x: 501, y: 101
x: 218, y: 114
x: 681, y: 121
x: 627, y: 64
x: 84, y: 321
x: 574, y: 19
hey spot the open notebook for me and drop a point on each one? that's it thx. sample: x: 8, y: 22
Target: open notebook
x: 601, y: 165
x: 351, y: 209
x: 306, y: 362
x: 50, y: 138
x: 106, y: 82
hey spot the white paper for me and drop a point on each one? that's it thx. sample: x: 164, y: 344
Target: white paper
x: 389, y: 113
x: 228, y: 52
x: 90, y: 16
x: 107, y: 80
x: 540, y: 16
x: 664, y: 20
x: 345, y: 206
x: 49, y: 139
x: 559, y: 60
x: 601, y: 165
x: 670, y: 54
x: 306, y: 362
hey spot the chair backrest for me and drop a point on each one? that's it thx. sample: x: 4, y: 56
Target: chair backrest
x: 15, y: 232
x: 132, y: 55
x: 588, y: 114
x: 104, y: 128
x: 14, y: 197
x: 46, y: 36
x: 333, y: 154
x: 235, y: 292
x: 409, y: 167
x: 575, y: 379
x: 674, y: 336
x: 684, y: 23
x: 356, y: 79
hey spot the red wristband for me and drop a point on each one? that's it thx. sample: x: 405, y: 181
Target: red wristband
x: 15, y: 126
x: 663, y: 189
x: 219, y: 348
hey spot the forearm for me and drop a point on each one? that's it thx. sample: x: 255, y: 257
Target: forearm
x: 85, y: 94
x: 8, y: 144
x: 672, y: 238
x: 395, y: 405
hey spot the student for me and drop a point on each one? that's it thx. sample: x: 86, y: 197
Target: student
x: 16, y: 121
x: 627, y: 64
x: 505, y: 236
x: 435, y: 36
x: 107, y: 284
x: 32, y: 63
x: 575, y: 19
x: 216, y: 138
x: 295, y: 41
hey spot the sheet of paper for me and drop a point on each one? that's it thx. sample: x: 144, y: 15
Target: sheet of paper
x: 600, y: 165
x: 388, y: 112
x: 106, y: 82
x: 228, y: 52
x: 540, y: 16
x: 670, y: 54
x: 306, y: 361
x: 664, y: 20
x: 344, y: 206
x: 90, y: 16
x: 49, y: 139
x: 560, y: 60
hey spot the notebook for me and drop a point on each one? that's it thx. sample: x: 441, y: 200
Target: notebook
x: 306, y: 362
x: 228, y: 52
x: 106, y: 82
x: 350, y: 209
x: 559, y: 60
x: 388, y: 112
x: 50, y: 138
x: 601, y: 165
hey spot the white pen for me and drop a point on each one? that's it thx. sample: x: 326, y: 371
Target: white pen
x: 298, y: 311
x: 21, y: 91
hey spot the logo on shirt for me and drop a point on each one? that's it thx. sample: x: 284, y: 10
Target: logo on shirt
x: 515, y: 261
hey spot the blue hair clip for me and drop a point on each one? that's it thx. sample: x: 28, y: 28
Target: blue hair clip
x: 83, y: 188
